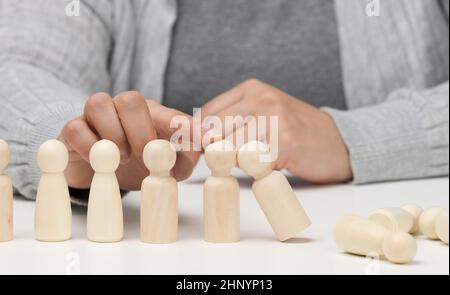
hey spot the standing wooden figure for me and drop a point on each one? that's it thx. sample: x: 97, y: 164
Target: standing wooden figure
x: 159, y: 195
x: 273, y: 192
x: 105, y: 216
x: 221, y: 195
x: 6, y: 196
x: 53, y: 213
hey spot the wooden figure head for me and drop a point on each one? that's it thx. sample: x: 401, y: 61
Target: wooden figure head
x: 220, y: 157
x: 159, y: 157
x: 250, y: 159
x: 104, y: 156
x: 53, y: 156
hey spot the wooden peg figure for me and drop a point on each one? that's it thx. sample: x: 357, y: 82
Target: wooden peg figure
x: 6, y: 196
x: 394, y: 219
x: 105, y: 215
x: 53, y: 213
x: 221, y: 195
x: 159, y: 194
x: 441, y: 226
x: 362, y: 236
x: 273, y: 191
x: 427, y: 222
x: 415, y: 212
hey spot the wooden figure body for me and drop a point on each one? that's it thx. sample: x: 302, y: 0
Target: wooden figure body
x: 359, y: 236
x: 427, y: 222
x: 415, y: 212
x: 362, y: 236
x: 6, y: 196
x: 221, y: 204
x: 394, y: 219
x: 273, y: 192
x: 159, y: 194
x: 441, y: 226
x: 105, y: 215
x: 53, y: 213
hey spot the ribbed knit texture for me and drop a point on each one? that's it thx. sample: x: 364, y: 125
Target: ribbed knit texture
x: 396, y: 69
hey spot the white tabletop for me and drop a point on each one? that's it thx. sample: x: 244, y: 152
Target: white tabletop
x: 313, y: 252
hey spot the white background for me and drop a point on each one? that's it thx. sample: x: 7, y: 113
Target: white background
x: 313, y: 252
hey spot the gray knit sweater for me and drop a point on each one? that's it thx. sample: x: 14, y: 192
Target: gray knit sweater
x: 395, y: 69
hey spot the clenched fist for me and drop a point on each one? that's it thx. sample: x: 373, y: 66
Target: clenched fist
x: 131, y: 122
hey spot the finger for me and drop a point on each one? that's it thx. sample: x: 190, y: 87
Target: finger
x: 231, y: 119
x: 162, y: 118
x: 256, y: 131
x: 223, y: 100
x: 248, y: 88
x: 185, y: 164
x: 101, y: 115
x: 79, y: 138
x: 252, y: 130
x: 136, y: 120
x: 260, y: 129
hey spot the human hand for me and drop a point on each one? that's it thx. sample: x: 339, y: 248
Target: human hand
x: 309, y: 143
x: 131, y: 122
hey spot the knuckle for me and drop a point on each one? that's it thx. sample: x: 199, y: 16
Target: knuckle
x: 287, y: 137
x: 152, y: 102
x: 269, y: 97
x: 253, y: 82
x: 73, y: 127
x: 129, y: 100
x: 98, y: 101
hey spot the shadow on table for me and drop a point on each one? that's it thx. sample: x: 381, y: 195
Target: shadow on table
x: 188, y: 226
x: 300, y: 241
x: 246, y: 182
x: 382, y: 260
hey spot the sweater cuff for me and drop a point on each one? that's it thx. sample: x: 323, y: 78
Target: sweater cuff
x: 44, y: 124
x: 398, y: 139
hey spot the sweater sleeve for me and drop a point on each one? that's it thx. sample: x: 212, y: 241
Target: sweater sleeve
x: 405, y: 137
x: 49, y: 64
